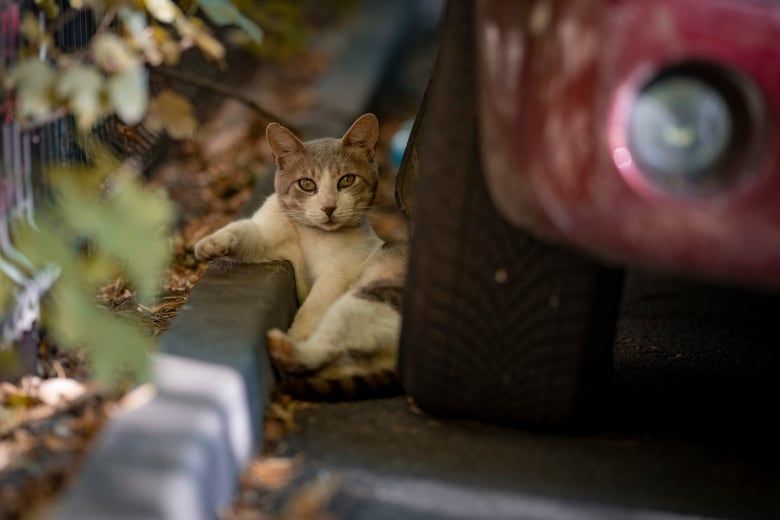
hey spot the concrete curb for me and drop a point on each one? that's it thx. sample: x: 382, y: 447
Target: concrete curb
x: 179, y: 456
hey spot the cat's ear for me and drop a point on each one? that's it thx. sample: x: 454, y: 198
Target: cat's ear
x: 362, y: 136
x: 284, y: 145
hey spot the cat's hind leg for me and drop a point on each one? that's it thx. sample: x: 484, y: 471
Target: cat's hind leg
x: 353, y: 326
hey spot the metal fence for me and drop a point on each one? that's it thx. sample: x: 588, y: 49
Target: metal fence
x: 27, y: 149
x: 23, y: 153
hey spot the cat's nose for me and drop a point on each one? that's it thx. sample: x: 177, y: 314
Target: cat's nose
x: 328, y: 210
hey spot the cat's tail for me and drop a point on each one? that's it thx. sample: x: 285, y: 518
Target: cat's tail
x: 341, y: 383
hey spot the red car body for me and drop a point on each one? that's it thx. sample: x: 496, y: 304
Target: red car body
x: 558, y: 80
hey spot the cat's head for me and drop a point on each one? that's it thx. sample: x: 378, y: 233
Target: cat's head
x: 326, y: 183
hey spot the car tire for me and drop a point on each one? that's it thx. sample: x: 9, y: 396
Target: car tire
x: 497, y: 324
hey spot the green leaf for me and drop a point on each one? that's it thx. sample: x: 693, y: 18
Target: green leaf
x: 30, y: 28
x: 222, y: 12
x: 70, y: 311
x: 33, y: 81
x: 138, y: 32
x: 128, y: 92
x: 114, y: 344
x: 81, y: 86
x: 112, y: 54
x: 49, y: 7
x: 6, y: 290
x: 144, y: 246
x: 197, y: 30
x: 126, y: 226
x: 129, y: 225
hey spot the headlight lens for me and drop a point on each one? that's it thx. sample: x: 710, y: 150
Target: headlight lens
x: 693, y: 129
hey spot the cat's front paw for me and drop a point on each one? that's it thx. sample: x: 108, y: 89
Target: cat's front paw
x: 283, y: 352
x: 216, y: 245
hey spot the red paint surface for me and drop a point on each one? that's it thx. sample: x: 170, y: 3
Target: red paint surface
x: 9, y: 46
x: 551, y: 87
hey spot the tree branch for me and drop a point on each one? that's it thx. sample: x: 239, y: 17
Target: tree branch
x: 220, y: 88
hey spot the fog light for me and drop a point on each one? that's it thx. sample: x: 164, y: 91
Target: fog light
x: 693, y: 129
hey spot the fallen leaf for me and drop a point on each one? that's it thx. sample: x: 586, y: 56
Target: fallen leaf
x: 137, y: 397
x: 312, y: 499
x: 173, y: 113
x: 55, y: 443
x: 6, y: 453
x: 413, y: 407
x: 54, y: 391
x: 284, y: 410
x: 21, y: 400
x: 271, y: 472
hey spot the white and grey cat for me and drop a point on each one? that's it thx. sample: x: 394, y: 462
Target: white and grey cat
x: 343, y: 341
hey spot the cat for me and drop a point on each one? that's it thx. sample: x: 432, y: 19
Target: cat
x: 344, y: 337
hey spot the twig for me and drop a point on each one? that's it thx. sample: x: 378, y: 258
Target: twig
x: 219, y: 88
x: 105, y: 23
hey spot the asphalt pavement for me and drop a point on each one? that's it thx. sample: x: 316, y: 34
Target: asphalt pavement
x: 690, y: 432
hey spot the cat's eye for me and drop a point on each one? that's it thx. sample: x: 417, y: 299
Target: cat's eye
x: 307, y: 185
x: 347, y: 180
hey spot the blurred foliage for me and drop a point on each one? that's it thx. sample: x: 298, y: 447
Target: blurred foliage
x: 284, y: 29
x: 286, y: 25
x: 109, y: 76
x: 100, y: 222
